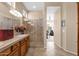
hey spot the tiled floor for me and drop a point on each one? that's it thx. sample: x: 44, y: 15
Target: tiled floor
x: 50, y: 50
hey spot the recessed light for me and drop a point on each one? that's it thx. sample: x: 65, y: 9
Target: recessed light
x: 34, y: 6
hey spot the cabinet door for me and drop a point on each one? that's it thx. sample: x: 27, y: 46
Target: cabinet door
x: 5, y: 52
x: 14, y: 53
x: 23, y: 50
x: 15, y: 50
x: 24, y: 46
x: 27, y: 42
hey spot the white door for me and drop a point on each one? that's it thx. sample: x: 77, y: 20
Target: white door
x: 57, y: 26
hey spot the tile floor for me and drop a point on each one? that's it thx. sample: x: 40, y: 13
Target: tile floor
x: 50, y: 50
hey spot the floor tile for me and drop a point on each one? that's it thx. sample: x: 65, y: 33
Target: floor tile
x: 50, y: 50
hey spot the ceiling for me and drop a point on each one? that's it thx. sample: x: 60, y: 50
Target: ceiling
x: 34, y: 6
x: 51, y: 10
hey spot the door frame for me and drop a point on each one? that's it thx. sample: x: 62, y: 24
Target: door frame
x: 78, y: 28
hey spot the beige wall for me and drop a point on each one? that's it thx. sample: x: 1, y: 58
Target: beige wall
x: 69, y: 36
x: 4, y: 11
x: 64, y: 18
x: 70, y: 17
x: 35, y: 15
x: 69, y: 32
x: 20, y: 7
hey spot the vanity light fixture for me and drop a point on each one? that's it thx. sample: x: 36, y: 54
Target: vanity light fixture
x: 15, y: 13
x: 13, y: 10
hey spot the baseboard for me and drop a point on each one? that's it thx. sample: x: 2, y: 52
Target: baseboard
x: 66, y: 50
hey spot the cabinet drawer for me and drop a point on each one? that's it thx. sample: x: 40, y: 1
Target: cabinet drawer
x: 23, y: 50
x: 15, y: 46
x: 5, y: 52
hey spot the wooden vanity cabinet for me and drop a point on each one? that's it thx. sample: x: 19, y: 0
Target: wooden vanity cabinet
x: 15, y: 50
x: 18, y: 49
x: 23, y: 48
x: 5, y: 52
x: 14, y: 53
x: 27, y: 43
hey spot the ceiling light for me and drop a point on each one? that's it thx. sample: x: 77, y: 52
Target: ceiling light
x: 15, y: 13
x: 34, y: 6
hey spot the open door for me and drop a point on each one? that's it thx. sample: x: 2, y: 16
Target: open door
x: 57, y: 27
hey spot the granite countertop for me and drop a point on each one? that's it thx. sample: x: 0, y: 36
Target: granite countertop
x: 6, y: 44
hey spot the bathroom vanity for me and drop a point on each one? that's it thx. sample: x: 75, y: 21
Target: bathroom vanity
x: 17, y: 46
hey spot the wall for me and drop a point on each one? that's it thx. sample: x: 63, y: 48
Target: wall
x: 5, y: 14
x: 34, y: 15
x: 70, y: 17
x: 4, y: 10
x: 8, y: 23
x: 69, y: 35
x: 64, y: 14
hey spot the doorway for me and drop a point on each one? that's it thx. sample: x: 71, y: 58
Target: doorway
x: 53, y: 34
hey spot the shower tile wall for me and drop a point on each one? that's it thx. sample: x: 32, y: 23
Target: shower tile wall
x: 36, y: 35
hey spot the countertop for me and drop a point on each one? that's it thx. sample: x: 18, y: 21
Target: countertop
x: 6, y: 44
